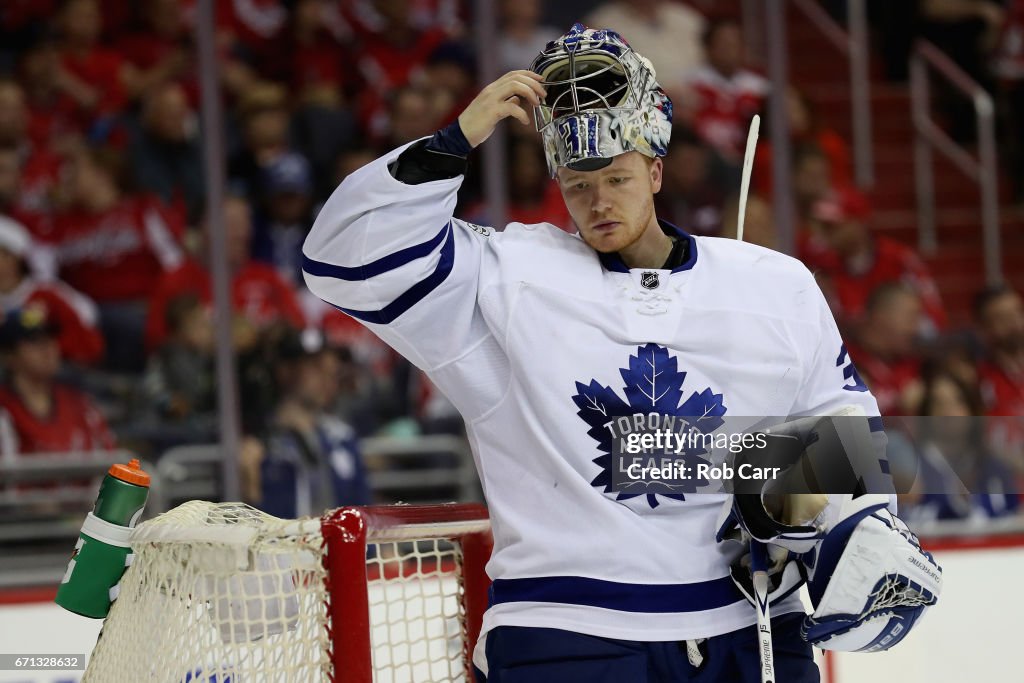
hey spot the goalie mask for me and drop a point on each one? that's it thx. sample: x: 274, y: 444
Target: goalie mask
x: 602, y: 101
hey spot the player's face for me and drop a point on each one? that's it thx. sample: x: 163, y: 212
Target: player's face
x: 613, y: 206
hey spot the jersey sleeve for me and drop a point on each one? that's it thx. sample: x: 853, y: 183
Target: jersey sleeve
x: 831, y: 382
x: 392, y: 256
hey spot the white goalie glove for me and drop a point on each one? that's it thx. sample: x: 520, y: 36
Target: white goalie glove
x: 869, y: 580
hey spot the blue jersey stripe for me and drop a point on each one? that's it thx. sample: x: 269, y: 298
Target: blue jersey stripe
x: 624, y: 597
x: 414, y: 294
x: 381, y: 265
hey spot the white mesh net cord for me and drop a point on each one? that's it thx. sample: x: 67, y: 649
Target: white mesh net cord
x: 221, y: 591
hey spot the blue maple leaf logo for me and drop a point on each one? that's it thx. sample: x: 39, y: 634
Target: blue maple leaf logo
x: 653, y: 384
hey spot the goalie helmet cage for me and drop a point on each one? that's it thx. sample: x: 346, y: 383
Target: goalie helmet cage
x: 222, y: 592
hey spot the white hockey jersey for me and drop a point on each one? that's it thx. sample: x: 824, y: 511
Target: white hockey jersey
x: 538, y: 341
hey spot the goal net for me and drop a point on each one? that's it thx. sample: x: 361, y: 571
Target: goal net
x: 221, y: 592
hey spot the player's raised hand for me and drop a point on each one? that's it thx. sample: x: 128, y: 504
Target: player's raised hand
x: 509, y: 96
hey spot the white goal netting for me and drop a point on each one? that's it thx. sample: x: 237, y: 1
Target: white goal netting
x: 224, y: 593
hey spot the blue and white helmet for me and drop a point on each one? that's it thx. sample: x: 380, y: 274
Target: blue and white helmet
x: 602, y: 100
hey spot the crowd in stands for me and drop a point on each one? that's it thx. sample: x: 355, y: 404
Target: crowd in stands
x: 105, y: 273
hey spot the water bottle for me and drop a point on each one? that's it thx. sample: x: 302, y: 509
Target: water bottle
x: 102, y: 552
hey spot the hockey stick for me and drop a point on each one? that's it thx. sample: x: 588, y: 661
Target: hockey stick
x: 758, y: 553
x: 759, y: 572
x: 748, y: 163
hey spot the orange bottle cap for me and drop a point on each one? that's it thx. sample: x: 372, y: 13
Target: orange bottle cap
x: 131, y: 473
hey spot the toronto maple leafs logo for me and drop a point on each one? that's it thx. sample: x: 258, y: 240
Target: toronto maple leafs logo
x: 653, y: 385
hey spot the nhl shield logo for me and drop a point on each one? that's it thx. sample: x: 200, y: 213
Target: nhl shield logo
x: 649, y: 280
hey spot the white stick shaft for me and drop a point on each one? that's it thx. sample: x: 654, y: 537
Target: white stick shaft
x: 764, y: 627
x: 748, y: 163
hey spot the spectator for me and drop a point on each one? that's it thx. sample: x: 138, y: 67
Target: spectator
x: 161, y: 52
x: 812, y: 184
x: 758, y: 225
x: 726, y: 95
x: 666, y: 32
x: 865, y: 261
x: 343, y: 331
x: 259, y: 296
x: 696, y: 184
x: 113, y: 248
x: 38, y: 414
x: 311, y: 460
x: 165, y: 153
x: 959, y: 477
x: 367, y: 17
x: 999, y: 313
x: 522, y: 34
x: 449, y: 75
x: 532, y: 196
x: 180, y: 382
x: 393, y: 55
x: 92, y: 75
x: 38, y: 223
x: 55, y: 120
x: 316, y: 72
x: 883, y: 348
x: 342, y: 164
x: 805, y: 129
x: 314, y: 67
x: 282, y: 225
x: 264, y: 118
x: 73, y: 315
x: 38, y: 168
x: 412, y: 116
x: 253, y: 27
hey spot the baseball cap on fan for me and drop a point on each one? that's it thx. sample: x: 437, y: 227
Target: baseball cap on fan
x: 847, y: 204
x: 25, y: 324
x: 289, y: 174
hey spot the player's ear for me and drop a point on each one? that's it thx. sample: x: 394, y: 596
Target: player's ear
x: 656, y: 167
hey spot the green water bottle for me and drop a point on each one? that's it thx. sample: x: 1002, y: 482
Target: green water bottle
x: 102, y: 552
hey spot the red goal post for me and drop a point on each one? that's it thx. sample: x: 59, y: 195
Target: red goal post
x: 349, y: 532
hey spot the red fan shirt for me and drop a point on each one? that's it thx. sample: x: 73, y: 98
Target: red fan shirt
x: 74, y: 424
x: 54, y: 118
x: 340, y: 329
x: 147, y: 50
x: 831, y: 144
x: 41, y: 173
x: 75, y: 316
x: 118, y: 255
x: 725, y: 106
x: 257, y: 292
x: 1003, y: 393
x: 893, y: 262
x: 100, y: 68
x: 888, y: 380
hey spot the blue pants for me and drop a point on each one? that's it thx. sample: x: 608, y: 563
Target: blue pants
x: 545, y: 655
